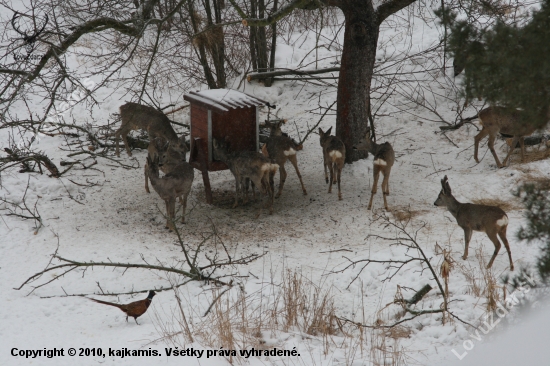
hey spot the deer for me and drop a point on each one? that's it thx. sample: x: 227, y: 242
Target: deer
x: 384, y: 158
x: 499, y: 119
x: 471, y: 217
x: 247, y: 165
x: 170, y: 155
x: 334, y: 155
x: 175, y: 184
x: 135, y: 116
x: 281, y: 148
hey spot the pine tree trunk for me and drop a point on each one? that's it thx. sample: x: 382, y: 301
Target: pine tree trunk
x: 357, y: 65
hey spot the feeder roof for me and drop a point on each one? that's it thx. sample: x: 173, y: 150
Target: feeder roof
x: 222, y: 100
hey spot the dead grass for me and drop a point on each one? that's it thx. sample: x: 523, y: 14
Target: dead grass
x: 236, y: 320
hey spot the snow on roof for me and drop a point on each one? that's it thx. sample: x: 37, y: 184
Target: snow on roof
x: 224, y: 99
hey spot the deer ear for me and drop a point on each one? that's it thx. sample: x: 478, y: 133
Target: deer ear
x: 445, y: 185
x: 321, y: 131
x: 329, y: 130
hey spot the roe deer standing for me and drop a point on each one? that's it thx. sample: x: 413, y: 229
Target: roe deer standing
x: 490, y: 219
x: 383, y: 159
x: 175, y: 184
x: 170, y: 155
x: 334, y: 155
x: 135, y: 116
x: 499, y: 119
x: 281, y: 148
x: 247, y: 165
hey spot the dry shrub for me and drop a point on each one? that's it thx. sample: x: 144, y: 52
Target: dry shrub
x: 307, y: 306
x: 536, y: 153
x: 482, y: 281
x: 405, y: 214
x: 384, y: 351
x: 399, y: 331
x: 475, y: 283
x: 507, y: 205
x: 491, y: 291
x: 209, y: 38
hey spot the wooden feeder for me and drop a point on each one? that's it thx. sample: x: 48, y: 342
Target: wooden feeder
x: 221, y: 114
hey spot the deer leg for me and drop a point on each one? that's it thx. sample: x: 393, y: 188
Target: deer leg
x: 467, y: 237
x: 282, y: 174
x: 237, y: 188
x: 514, y: 143
x: 168, y: 221
x: 522, y: 145
x: 125, y: 139
x: 294, y: 162
x: 245, y: 194
x: 268, y: 178
x: 325, y: 166
x: 183, y: 207
x: 117, y: 141
x: 146, y: 178
x: 258, y: 181
x: 502, y: 235
x: 484, y: 132
x: 254, y: 190
x: 376, y: 174
x: 386, y: 187
x: 339, y: 171
x: 491, y: 144
x: 493, y: 236
x: 331, y: 169
x: 271, y: 187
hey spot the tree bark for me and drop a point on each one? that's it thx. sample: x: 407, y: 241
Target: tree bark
x: 357, y: 66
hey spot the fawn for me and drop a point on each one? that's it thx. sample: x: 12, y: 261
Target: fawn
x: 170, y: 155
x: 500, y: 119
x: 175, y: 184
x: 334, y: 155
x: 135, y: 116
x: 247, y: 165
x: 471, y: 217
x: 383, y: 159
x: 281, y: 148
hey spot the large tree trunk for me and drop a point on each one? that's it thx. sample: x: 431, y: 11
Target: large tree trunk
x: 358, y: 56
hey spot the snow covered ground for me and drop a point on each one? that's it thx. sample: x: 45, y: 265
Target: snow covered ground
x: 115, y: 220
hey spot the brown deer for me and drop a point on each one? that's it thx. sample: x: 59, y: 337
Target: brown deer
x: 175, y: 184
x: 247, y: 165
x: 281, y: 148
x: 334, y: 155
x: 169, y: 155
x: 383, y: 159
x: 499, y: 119
x: 135, y: 116
x: 471, y: 217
